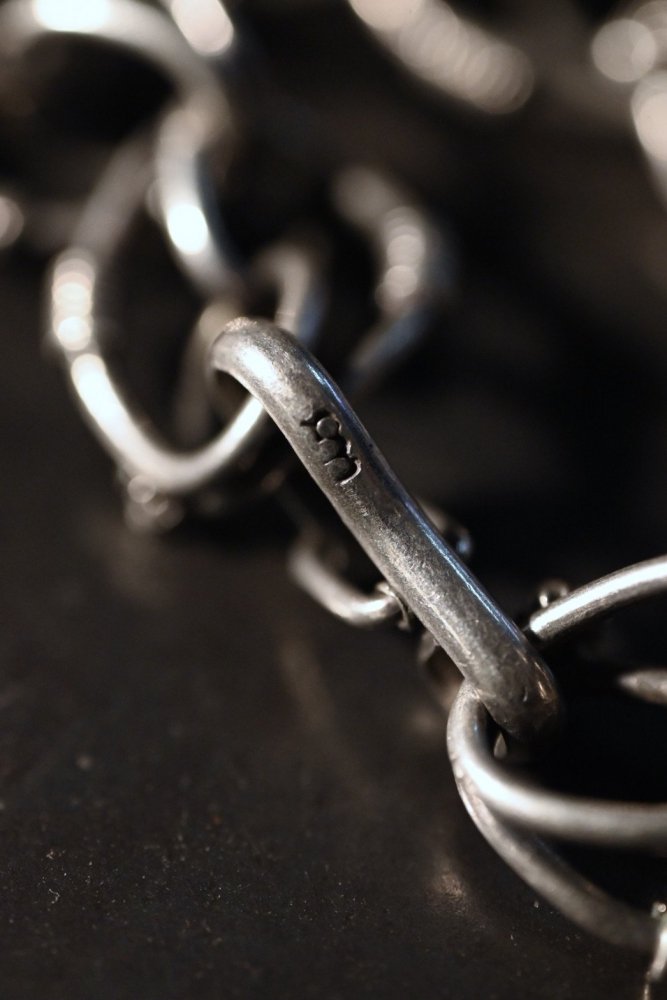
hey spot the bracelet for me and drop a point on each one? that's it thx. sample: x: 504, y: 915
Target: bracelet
x: 249, y: 382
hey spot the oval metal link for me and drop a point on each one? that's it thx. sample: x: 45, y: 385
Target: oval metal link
x: 427, y: 575
x: 150, y: 467
x: 607, y: 824
x: 561, y: 884
x: 500, y: 800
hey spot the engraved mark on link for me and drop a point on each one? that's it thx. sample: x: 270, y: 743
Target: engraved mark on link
x: 334, y: 448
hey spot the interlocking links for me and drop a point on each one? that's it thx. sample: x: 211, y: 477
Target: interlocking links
x: 199, y: 122
x: 172, y: 171
x: 155, y: 474
x: 625, y: 586
x: 554, y: 814
x: 312, y: 572
x: 413, y: 289
x: 399, y: 539
x: 291, y: 270
x: 309, y: 567
x: 608, y: 824
x: 496, y: 796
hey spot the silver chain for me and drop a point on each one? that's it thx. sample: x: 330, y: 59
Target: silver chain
x: 171, y: 171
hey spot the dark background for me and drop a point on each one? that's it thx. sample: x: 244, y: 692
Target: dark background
x: 209, y: 787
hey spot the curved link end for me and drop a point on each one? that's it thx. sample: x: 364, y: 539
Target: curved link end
x: 421, y: 569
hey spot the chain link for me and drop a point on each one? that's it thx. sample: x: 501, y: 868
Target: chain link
x: 172, y: 173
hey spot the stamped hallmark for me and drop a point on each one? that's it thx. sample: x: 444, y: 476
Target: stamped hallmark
x: 334, y: 448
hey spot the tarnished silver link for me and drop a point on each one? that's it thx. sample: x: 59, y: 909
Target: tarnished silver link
x: 437, y: 587
x: 628, y: 48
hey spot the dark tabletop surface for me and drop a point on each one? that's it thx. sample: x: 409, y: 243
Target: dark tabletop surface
x: 211, y: 788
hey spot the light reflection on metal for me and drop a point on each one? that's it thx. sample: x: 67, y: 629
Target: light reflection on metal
x: 416, y: 269
x: 450, y: 53
x: 654, y: 16
x: 91, y: 380
x: 11, y: 221
x: 187, y: 228
x: 72, y: 303
x: 624, y: 50
x: 633, y: 51
x: 72, y: 15
x: 649, y: 112
x: 649, y: 115
x: 204, y: 23
x: 402, y: 237
x: 504, y: 803
x: 646, y: 683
